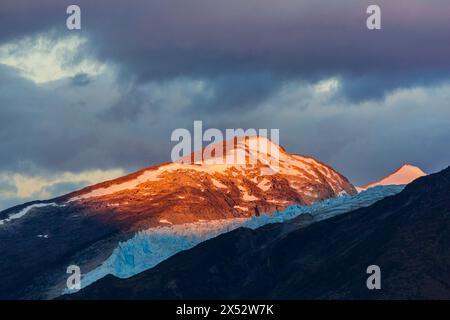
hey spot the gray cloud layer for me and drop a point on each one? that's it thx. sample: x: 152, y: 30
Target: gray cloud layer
x: 166, y: 38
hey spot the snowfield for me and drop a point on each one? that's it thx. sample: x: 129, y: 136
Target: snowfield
x: 150, y: 247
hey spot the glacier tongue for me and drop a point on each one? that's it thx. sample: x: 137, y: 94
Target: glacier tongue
x: 150, y: 247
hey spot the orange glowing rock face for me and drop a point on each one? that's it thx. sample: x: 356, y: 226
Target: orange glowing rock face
x: 175, y: 193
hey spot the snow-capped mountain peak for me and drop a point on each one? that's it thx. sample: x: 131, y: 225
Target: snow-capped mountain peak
x: 268, y: 179
x: 403, y: 175
x: 238, y: 151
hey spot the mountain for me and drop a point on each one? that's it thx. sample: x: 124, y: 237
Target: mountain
x: 407, y: 235
x: 403, y: 175
x: 152, y: 246
x: 41, y: 238
x: 175, y: 193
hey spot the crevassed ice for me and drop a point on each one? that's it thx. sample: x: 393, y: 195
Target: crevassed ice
x: 150, y: 247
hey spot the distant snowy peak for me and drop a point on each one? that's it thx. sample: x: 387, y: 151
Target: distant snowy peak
x: 404, y: 175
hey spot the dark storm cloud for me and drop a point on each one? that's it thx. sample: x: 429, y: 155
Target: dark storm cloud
x: 201, y: 38
x: 375, y: 86
x: 129, y: 107
x: 239, y: 92
x: 22, y: 18
x: 204, y: 38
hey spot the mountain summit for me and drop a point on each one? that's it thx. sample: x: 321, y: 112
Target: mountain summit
x: 403, y: 175
x: 204, y: 188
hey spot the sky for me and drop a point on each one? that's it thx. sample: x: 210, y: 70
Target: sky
x: 82, y: 106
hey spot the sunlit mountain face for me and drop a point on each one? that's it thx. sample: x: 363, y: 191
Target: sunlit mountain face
x: 178, y: 193
x: 404, y: 175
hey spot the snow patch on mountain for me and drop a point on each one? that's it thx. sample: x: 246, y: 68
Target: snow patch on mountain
x: 218, y: 184
x: 264, y: 184
x: 24, y: 211
x: 150, y: 247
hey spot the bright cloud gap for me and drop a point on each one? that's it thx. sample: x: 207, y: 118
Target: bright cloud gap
x: 44, y: 58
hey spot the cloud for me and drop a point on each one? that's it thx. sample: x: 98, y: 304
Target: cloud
x: 44, y: 58
x: 18, y: 188
x: 327, y: 86
x: 364, y: 140
x: 167, y: 39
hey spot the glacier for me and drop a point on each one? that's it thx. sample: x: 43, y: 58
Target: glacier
x: 150, y: 247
